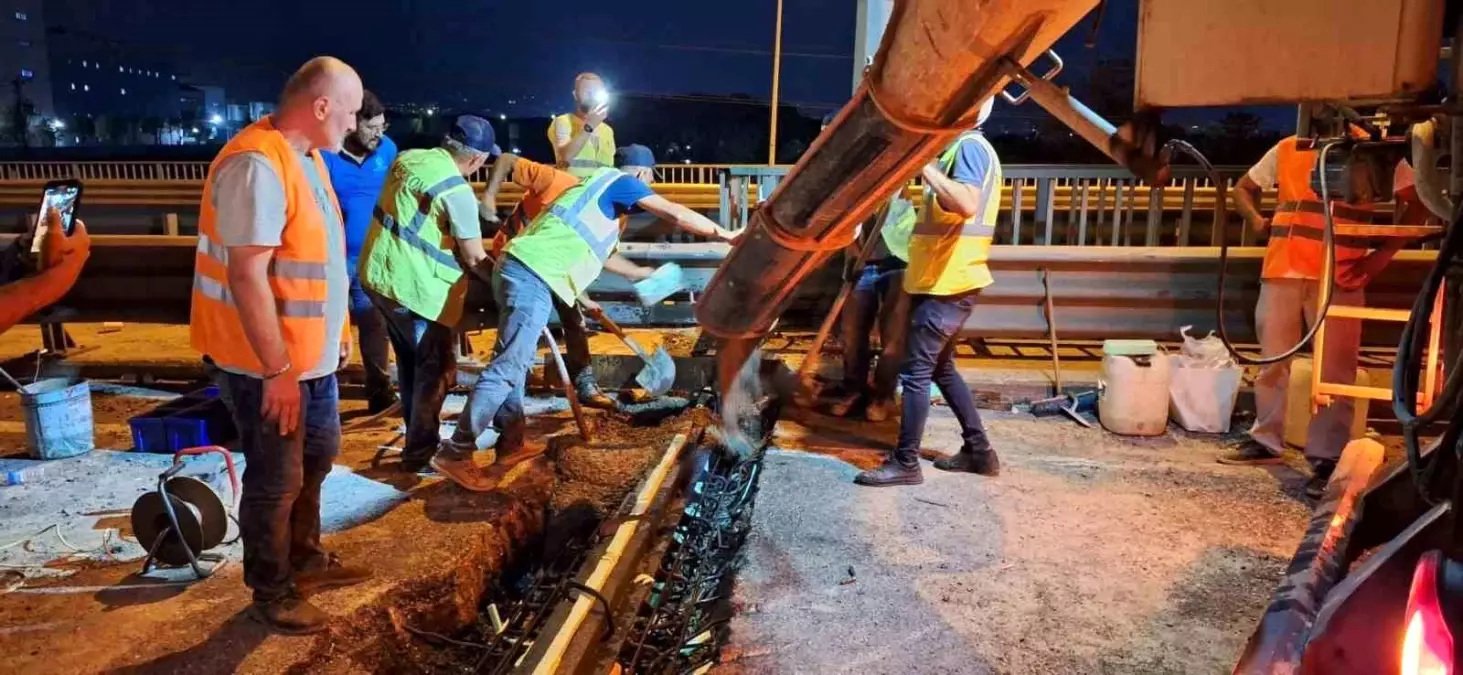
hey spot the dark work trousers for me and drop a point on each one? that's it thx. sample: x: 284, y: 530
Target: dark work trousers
x: 374, y: 343
x: 426, y: 369
x: 934, y: 322
x: 877, y: 298
x: 279, y: 511
x: 576, y: 340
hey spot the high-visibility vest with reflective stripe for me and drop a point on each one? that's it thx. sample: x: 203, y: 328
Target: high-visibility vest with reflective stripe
x: 568, y: 243
x: 408, y: 255
x: 1295, y: 249
x: 899, y: 223
x: 947, y: 254
x: 297, y: 272
x: 598, y: 151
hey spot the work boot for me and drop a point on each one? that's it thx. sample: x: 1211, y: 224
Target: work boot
x: 380, y: 403
x: 889, y: 474
x: 590, y: 395
x: 1321, y: 472
x: 290, y: 615
x: 1250, y: 453
x: 464, y: 472
x: 878, y: 409
x: 844, y: 401
x: 982, y: 462
x: 329, y: 573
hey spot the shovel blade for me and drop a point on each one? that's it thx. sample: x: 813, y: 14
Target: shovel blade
x: 658, y: 374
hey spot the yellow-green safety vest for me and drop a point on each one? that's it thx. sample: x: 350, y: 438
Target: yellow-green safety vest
x: 568, y: 243
x: 947, y: 255
x: 598, y: 151
x: 408, y: 255
x: 899, y: 223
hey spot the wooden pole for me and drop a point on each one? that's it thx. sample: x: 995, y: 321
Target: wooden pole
x: 776, y: 82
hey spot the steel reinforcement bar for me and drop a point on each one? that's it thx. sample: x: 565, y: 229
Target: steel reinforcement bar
x: 1099, y: 292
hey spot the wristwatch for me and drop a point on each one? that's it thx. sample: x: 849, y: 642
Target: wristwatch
x: 588, y: 128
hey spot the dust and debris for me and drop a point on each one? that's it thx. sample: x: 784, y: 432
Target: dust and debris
x: 600, y: 473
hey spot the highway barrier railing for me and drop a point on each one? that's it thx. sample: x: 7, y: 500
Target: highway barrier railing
x: 1099, y: 292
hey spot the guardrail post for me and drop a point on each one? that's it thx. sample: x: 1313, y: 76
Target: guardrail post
x: 1045, y: 198
x: 1017, y: 187
x: 170, y: 224
x: 1186, y: 217
x: 1119, y: 208
x: 1155, y: 215
x: 1082, y: 216
x: 1219, y: 234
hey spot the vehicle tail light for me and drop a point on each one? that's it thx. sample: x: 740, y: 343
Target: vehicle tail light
x: 1427, y: 647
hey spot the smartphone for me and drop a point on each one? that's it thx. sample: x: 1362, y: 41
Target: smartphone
x: 63, y: 196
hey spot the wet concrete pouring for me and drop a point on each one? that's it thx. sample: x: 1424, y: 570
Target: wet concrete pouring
x: 1091, y: 553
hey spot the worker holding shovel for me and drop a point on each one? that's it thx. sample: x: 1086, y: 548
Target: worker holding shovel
x: 557, y: 257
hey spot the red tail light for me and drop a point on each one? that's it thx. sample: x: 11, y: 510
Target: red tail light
x: 1427, y: 647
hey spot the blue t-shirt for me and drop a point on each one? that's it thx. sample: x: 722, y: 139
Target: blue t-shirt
x: 620, y: 197
x: 972, y: 164
x: 358, y: 187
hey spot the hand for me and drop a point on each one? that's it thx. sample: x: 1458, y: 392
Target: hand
x: 929, y: 170
x: 281, y: 404
x: 728, y: 236
x: 58, y: 249
x: 345, y: 353
x: 591, y: 307
x: 490, y: 217
x: 597, y: 116
x: 1260, y: 227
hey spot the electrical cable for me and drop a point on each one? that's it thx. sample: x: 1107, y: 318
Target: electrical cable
x: 1328, y: 262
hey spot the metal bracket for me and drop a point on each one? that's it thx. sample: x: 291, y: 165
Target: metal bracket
x: 1050, y: 75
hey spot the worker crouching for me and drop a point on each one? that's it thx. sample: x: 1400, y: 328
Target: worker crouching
x: 558, y: 256
x: 947, y: 270
x: 423, y: 250
x: 1290, y: 288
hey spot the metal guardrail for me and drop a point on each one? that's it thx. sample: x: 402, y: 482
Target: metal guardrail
x: 702, y: 174
x: 1099, y: 292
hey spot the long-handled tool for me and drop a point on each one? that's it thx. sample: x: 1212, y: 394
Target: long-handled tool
x: 806, y: 382
x: 568, y: 386
x: 1068, y: 404
x: 659, y: 372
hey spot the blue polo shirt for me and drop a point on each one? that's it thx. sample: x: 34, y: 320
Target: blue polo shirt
x: 357, y: 187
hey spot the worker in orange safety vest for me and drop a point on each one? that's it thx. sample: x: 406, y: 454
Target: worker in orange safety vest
x: 1290, y: 287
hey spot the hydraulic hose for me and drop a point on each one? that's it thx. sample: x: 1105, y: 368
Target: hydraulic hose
x: 1328, y: 261
x: 1406, y: 371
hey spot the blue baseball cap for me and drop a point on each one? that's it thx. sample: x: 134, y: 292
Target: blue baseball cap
x: 476, y: 133
x: 634, y: 155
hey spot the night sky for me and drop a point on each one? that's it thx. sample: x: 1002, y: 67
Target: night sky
x: 482, y: 53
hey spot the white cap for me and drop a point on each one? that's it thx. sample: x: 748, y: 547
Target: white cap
x: 985, y: 112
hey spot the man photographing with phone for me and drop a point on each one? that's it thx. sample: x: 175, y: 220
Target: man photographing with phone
x: 583, y: 143
x: 62, y: 258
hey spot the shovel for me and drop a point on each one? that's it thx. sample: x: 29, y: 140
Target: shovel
x: 660, y: 369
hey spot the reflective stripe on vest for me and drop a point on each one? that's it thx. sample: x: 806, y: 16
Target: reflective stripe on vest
x: 585, y: 218
x: 1313, y: 234
x: 294, y: 309
x: 1339, y: 212
x: 411, y: 233
x: 586, y: 164
x: 280, y: 269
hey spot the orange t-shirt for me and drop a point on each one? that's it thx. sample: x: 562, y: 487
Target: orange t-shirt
x: 542, y: 184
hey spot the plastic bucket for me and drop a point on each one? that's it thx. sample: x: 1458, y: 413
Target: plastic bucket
x: 58, y: 420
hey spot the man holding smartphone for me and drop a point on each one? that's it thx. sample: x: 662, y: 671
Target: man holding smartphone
x: 62, y: 257
x: 583, y: 143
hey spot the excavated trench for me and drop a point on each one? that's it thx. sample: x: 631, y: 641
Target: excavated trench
x: 641, y: 537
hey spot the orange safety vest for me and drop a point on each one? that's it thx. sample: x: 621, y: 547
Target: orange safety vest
x: 1295, y: 249
x: 297, y: 274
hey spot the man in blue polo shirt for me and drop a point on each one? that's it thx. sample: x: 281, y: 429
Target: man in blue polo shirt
x: 358, y: 172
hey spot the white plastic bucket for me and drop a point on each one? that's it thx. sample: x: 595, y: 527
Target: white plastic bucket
x: 58, y: 422
x: 1134, y: 398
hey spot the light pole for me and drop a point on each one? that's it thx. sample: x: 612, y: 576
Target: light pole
x: 776, y: 81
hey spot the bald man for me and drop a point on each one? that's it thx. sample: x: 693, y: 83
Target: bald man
x: 270, y: 298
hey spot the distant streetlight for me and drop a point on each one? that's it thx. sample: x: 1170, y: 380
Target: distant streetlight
x: 431, y: 112
x: 516, y: 151
x: 195, y: 130
x: 57, y: 125
x: 216, y: 120
x: 502, y: 116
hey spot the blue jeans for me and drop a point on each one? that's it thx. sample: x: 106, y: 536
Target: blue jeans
x: 426, y: 369
x: 524, y: 305
x: 934, y: 322
x: 878, y: 297
x: 279, y: 511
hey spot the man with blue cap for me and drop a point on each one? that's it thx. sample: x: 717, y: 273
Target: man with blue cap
x: 424, y: 244
x: 555, y: 258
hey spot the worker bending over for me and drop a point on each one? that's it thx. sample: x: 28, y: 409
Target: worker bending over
x: 558, y: 256
x: 418, y: 260
x: 542, y: 184
x: 947, y: 270
x: 270, y: 298
x: 1290, y: 286
x: 582, y: 142
x: 357, y: 173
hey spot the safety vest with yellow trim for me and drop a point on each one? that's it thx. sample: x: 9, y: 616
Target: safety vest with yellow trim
x: 297, y: 272
x: 408, y: 255
x: 947, y: 253
x: 568, y: 243
x: 598, y: 151
x: 899, y: 223
x: 1295, y: 249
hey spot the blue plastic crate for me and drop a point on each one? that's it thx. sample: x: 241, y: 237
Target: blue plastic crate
x: 198, y: 418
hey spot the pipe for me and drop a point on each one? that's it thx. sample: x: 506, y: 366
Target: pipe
x: 937, y: 63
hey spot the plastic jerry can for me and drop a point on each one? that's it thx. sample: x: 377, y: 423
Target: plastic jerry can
x: 1134, y: 388
x: 1298, y: 403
